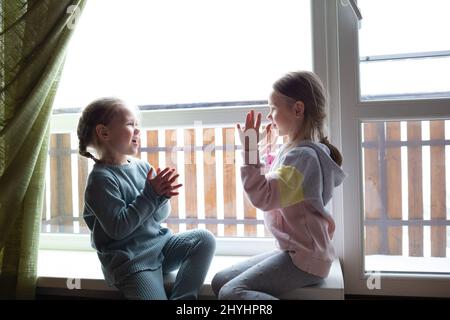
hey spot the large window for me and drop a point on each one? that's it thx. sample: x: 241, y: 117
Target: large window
x: 394, y: 88
x: 406, y: 178
x: 405, y: 54
x: 194, y: 68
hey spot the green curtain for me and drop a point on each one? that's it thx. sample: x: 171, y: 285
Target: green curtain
x: 33, y: 39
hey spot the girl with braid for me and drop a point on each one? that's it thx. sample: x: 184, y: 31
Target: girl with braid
x: 126, y: 200
x: 293, y: 194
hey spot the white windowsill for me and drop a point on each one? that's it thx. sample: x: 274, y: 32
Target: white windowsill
x: 235, y: 246
x: 398, y: 266
x: 56, y: 268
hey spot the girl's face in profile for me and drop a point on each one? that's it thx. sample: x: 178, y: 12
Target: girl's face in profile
x: 282, y: 114
x: 124, y: 134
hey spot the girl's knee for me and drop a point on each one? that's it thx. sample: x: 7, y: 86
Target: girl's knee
x: 219, y: 280
x: 207, y: 239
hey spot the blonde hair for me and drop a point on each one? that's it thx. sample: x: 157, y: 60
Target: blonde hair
x: 100, y: 111
x: 307, y: 87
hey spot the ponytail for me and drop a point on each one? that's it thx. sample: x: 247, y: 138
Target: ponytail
x: 334, y: 152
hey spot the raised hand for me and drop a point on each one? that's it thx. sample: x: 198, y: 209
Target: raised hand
x: 249, y: 135
x: 163, y: 182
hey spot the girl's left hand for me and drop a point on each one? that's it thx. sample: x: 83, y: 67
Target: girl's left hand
x: 250, y: 124
x: 163, y: 183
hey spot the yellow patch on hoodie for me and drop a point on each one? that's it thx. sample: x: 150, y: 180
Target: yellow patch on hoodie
x: 290, y: 182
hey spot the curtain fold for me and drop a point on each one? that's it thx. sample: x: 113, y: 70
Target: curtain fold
x: 33, y: 39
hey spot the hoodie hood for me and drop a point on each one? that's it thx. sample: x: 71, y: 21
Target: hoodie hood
x: 332, y: 173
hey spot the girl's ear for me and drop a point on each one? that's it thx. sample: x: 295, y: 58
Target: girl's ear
x: 101, y: 132
x: 299, y: 109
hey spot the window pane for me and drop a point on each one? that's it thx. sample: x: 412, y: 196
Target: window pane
x: 404, y: 49
x: 406, y: 183
x: 176, y: 51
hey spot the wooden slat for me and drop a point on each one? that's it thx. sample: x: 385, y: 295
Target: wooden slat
x: 372, y: 189
x: 171, y: 156
x: 394, y: 188
x: 415, y: 185
x: 438, y: 191
x: 229, y: 180
x: 152, y: 141
x: 209, y: 178
x: 82, y: 181
x: 61, y: 182
x: 190, y: 176
x: 249, y: 213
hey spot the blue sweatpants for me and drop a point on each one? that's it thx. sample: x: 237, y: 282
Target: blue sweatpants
x: 263, y: 277
x: 191, y: 252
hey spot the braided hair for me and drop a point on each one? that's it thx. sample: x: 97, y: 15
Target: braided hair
x: 100, y: 111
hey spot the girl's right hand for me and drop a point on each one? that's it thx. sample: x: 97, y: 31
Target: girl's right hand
x: 163, y: 182
x: 252, y: 124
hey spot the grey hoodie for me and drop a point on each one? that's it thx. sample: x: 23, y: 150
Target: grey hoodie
x: 293, y: 196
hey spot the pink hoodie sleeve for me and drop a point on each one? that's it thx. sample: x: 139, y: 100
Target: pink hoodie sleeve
x: 261, y: 190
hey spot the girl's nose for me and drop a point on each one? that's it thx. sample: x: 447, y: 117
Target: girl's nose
x: 269, y: 117
x: 137, y: 131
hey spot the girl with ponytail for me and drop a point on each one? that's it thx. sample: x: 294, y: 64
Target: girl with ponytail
x: 293, y: 194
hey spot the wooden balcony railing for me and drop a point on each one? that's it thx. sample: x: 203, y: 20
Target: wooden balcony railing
x: 208, y: 163
x: 405, y: 188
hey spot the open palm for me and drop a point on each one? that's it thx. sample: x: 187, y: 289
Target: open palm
x: 251, y: 129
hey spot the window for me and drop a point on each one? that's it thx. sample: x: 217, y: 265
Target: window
x: 181, y: 52
x: 394, y: 97
x: 404, y: 49
x: 406, y: 179
x: 194, y: 68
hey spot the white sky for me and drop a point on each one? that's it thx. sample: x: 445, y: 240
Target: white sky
x: 404, y: 26
x: 175, y: 51
x: 400, y: 26
x: 167, y: 51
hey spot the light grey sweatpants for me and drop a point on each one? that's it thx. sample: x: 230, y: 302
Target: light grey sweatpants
x: 191, y: 252
x: 263, y: 277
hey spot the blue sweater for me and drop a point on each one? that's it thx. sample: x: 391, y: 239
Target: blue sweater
x: 124, y: 215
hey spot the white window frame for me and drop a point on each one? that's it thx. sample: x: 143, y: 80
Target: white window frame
x: 325, y: 63
x: 354, y: 112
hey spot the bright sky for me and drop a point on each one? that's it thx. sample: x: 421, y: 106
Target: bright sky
x: 400, y: 26
x: 404, y: 26
x: 178, y: 51
x: 169, y: 51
